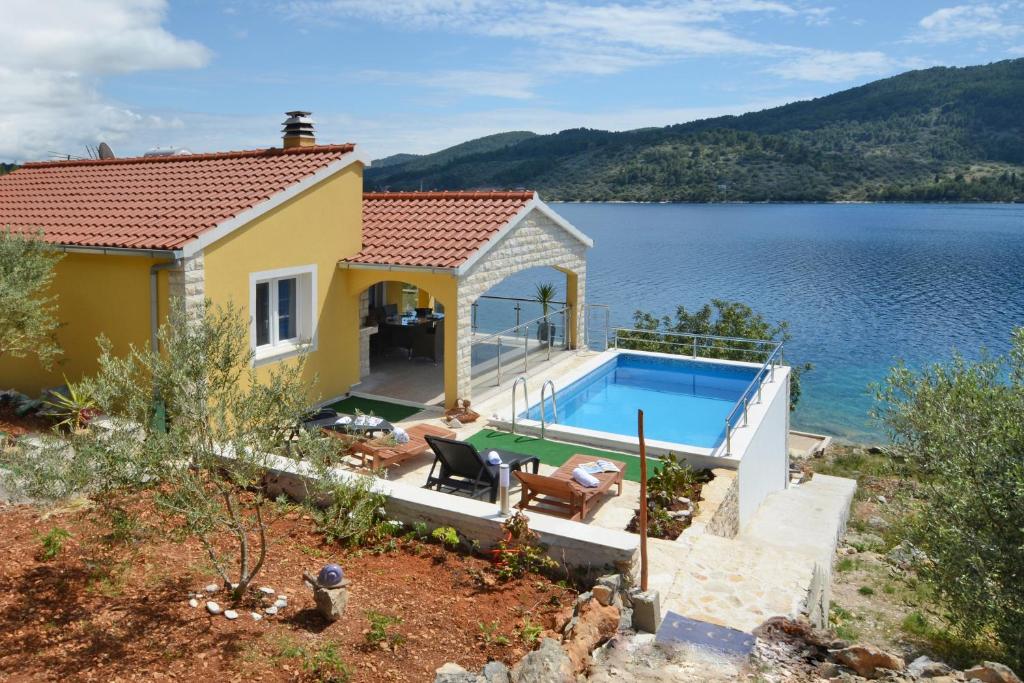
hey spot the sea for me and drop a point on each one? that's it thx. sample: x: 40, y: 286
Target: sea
x: 862, y: 286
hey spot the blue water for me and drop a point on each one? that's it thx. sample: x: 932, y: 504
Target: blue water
x: 861, y: 285
x: 683, y: 401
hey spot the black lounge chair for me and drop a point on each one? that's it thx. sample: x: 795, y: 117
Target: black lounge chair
x: 463, y: 468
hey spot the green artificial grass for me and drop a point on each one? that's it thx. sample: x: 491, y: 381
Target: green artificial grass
x: 554, y: 453
x: 392, y: 412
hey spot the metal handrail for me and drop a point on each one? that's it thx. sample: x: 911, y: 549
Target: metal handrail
x: 607, y: 323
x: 518, y: 308
x: 554, y: 406
x: 515, y: 298
x: 514, y: 330
x: 520, y: 378
x: 768, y: 367
x: 693, y: 334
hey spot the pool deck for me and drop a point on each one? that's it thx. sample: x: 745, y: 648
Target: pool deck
x: 779, y: 564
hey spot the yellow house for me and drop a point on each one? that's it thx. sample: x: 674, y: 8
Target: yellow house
x: 288, y: 235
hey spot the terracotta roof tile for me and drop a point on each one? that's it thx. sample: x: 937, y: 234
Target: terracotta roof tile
x: 432, y: 229
x: 150, y: 202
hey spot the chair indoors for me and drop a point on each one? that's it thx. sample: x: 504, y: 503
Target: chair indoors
x: 463, y: 468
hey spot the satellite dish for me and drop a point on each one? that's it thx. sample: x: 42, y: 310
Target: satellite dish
x: 104, y: 151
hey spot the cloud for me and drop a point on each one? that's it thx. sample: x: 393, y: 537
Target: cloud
x: 834, y: 67
x: 573, y: 37
x: 965, y: 22
x: 55, y: 55
x: 511, y: 85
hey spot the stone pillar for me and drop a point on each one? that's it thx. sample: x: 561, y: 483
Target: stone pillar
x: 458, y: 346
x: 576, y: 317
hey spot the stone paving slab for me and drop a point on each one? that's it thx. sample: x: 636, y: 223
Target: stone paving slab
x: 770, y: 569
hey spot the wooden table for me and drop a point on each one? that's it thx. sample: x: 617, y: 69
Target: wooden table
x: 607, y: 479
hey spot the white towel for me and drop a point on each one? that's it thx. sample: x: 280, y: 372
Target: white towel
x: 493, y: 458
x: 401, y: 436
x: 585, y: 478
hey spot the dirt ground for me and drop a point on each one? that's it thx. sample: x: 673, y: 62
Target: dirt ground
x: 14, y: 426
x: 102, y: 610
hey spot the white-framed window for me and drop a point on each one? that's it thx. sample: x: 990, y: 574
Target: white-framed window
x: 283, y: 307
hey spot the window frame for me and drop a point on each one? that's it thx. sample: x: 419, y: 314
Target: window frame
x: 305, y: 313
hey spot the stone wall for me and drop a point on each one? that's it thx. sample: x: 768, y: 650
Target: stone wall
x: 726, y: 520
x: 537, y: 241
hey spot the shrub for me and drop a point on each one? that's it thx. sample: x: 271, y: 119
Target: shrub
x: 53, y: 542
x: 959, y: 429
x: 380, y: 633
x: 353, y: 512
x: 446, y: 536
x: 520, y: 552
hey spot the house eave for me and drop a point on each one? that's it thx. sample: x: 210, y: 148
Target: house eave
x: 396, y: 268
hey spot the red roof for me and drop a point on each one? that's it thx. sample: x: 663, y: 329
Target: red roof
x: 432, y: 229
x: 150, y: 202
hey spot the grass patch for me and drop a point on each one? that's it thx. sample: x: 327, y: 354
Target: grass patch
x: 392, y: 412
x: 866, y: 590
x: 555, y: 453
x: 847, y: 564
x: 855, y: 464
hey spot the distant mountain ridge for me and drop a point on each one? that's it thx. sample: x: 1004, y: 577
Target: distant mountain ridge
x: 939, y: 134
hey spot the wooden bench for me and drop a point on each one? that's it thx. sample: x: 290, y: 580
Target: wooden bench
x: 560, y: 495
x: 381, y: 455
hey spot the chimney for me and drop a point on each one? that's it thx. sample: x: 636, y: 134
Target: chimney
x: 298, y: 130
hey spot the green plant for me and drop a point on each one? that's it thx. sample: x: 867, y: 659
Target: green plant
x: 74, y: 408
x: 490, y: 635
x: 545, y: 295
x: 28, y: 312
x: 530, y: 632
x: 866, y: 590
x: 847, y: 564
x: 380, y: 633
x: 519, y: 551
x: 353, y: 513
x: 446, y: 536
x: 673, y: 479
x: 957, y: 429
x: 53, y: 542
x: 420, y: 531
x: 326, y: 664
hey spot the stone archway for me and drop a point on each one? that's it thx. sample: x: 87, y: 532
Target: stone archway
x: 536, y: 241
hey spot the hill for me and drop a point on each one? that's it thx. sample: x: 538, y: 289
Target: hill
x: 939, y: 134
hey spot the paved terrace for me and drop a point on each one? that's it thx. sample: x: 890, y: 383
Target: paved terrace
x: 780, y: 564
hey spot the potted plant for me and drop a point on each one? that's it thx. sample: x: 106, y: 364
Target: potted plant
x: 545, y: 295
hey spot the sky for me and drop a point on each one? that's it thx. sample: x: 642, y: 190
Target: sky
x: 417, y: 76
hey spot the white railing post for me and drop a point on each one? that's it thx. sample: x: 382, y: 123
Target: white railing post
x: 499, y: 361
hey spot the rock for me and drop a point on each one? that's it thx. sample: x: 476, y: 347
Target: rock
x: 547, y: 664
x: 266, y: 590
x: 646, y: 610
x: 613, y: 581
x: 683, y: 500
x: 453, y: 673
x: 271, y: 610
x: 256, y: 616
x: 193, y: 603
x: 582, y: 598
x: 925, y: 667
x: 212, y: 588
x: 230, y: 614
x: 625, y: 619
x: 596, y: 624
x: 496, y: 672
x: 679, y: 514
x: 866, y: 660
x: 330, y: 600
x: 905, y: 555
x: 213, y: 608
x: 882, y: 500
x: 991, y: 672
x: 876, y: 522
x: 603, y: 594
x: 281, y: 603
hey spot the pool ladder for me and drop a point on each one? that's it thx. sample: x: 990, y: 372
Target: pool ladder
x: 543, y: 393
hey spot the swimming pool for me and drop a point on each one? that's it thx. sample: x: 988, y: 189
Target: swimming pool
x: 684, y: 401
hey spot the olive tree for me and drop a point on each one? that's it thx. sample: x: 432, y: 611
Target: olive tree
x: 205, y: 463
x: 719, y: 318
x: 28, y: 321
x: 959, y: 429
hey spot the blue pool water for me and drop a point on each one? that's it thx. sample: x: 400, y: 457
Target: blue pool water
x: 683, y: 401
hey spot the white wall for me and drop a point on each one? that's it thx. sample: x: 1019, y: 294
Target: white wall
x: 764, y: 465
